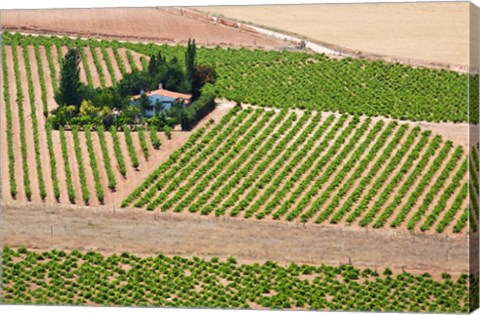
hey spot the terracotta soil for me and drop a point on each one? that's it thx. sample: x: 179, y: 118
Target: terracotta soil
x: 167, y: 25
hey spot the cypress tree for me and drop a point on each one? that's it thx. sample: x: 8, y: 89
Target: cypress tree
x: 190, y: 59
x: 152, y: 65
x: 69, y: 89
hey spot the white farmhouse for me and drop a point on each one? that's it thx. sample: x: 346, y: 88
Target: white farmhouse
x: 161, y: 99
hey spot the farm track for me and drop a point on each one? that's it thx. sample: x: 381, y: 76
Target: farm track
x: 141, y: 232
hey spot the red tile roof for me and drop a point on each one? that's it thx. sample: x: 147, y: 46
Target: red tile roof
x: 166, y: 93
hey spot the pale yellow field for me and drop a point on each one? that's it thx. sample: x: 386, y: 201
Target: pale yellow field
x: 434, y: 32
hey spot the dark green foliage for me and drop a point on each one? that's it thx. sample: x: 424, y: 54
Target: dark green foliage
x: 69, y: 88
x: 133, y: 83
x: 202, y: 74
x: 174, y: 77
x: 190, y: 59
x: 197, y: 110
x: 156, y: 63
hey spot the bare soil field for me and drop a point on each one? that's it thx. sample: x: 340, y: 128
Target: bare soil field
x: 151, y: 233
x: 436, y: 33
x: 166, y: 25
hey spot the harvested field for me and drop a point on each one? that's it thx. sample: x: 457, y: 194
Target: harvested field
x: 165, y: 25
x: 436, y: 33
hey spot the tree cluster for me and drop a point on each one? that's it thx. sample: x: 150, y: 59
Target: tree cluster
x: 80, y: 104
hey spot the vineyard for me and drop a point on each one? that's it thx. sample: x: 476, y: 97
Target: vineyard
x: 57, y: 277
x: 292, y: 79
x: 258, y: 164
x: 312, y: 167
x: 74, y: 166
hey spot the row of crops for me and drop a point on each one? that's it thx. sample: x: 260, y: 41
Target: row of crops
x: 58, y: 277
x: 314, y: 167
x: 308, y: 81
x: 74, y: 165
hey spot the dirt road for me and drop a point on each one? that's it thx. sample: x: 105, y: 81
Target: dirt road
x: 435, y: 33
x: 148, y: 233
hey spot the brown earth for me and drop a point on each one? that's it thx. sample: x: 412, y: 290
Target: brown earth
x: 433, y: 32
x: 167, y: 25
x: 107, y: 230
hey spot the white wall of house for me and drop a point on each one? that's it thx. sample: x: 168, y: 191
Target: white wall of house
x: 164, y: 100
x: 158, y: 99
